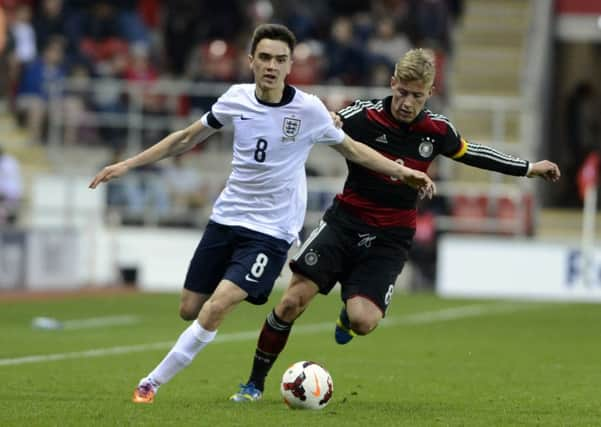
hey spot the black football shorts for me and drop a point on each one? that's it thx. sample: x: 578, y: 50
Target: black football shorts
x: 362, y: 262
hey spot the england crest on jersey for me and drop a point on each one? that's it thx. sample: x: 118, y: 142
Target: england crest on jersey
x: 290, y: 127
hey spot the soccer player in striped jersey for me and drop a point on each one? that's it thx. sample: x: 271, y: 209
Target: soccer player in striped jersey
x: 365, y: 236
x: 262, y: 207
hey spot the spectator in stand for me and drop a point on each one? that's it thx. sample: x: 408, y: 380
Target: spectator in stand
x: 387, y: 42
x: 139, y: 198
x: 583, y: 132
x: 188, y: 191
x: 346, y: 59
x: 11, y: 188
x: 22, y: 48
x: 131, y: 23
x: 214, y: 61
x: 35, y: 84
x: 379, y: 74
x: 49, y: 21
x: 23, y: 34
x: 398, y: 10
x: 180, y: 33
x: 107, y: 97
x: 76, y: 102
x: 3, y: 55
x: 582, y: 119
x: 2, y: 30
x: 101, y: 32
x: 308, y: 64
x: 431, y: 20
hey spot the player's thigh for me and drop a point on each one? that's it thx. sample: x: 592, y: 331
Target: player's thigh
x: 226, y: 297
x: 256, y: 263
x: 210, y: 260
x: 374, y: 275
x: 321, y: 258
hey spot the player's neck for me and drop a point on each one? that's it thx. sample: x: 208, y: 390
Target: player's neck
x: 271, y: 95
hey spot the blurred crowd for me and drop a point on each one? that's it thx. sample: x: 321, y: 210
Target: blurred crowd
x: 340, y: 42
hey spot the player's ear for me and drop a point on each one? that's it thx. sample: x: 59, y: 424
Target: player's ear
x: 250, y: 61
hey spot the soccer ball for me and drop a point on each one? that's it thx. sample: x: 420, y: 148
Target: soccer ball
x: 306, y: 385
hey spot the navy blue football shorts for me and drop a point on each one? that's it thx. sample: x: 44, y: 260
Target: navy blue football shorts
x: 251, y: 260
x: 363, y: 263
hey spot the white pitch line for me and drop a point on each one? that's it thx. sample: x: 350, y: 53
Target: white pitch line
x: 426, y: 317
x: 99, y: 322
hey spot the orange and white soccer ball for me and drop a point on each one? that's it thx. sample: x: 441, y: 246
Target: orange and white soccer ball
x: 306, y: 385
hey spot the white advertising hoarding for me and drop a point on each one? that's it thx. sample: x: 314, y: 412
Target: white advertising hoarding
x: 516, y: 268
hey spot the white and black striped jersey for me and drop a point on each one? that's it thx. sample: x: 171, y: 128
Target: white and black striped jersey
x: 267, y: 190
x: 383, y: 201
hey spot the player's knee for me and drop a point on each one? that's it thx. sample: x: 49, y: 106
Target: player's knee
x: 213, y: 309
x: 363, y: 326
x: 188, y: 313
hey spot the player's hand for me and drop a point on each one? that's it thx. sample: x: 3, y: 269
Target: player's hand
x: 336, y: 119
x: 111, y: 171
x: 420, y: 181
x: 547, y: 170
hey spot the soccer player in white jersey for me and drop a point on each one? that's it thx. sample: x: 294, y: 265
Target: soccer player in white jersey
x: 261, y: 209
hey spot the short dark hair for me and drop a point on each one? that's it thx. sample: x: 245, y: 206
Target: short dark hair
x: 272, y: 32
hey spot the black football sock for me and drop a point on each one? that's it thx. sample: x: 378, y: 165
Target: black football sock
x: 272, y: 341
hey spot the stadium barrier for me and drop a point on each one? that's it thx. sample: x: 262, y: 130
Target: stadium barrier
x: 484, y: 267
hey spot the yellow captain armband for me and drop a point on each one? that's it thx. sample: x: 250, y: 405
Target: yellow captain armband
x: 462, y: 150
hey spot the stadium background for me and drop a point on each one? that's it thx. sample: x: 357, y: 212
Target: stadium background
x: 89, y: 82
x: 76, y: 332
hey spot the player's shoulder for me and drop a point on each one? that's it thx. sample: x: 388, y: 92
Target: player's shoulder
x: 437, y: 123
x: 240, y: 90
x: 307, y: 99
x: 361, y: 105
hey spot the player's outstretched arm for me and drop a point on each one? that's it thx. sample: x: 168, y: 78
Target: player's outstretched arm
x: 365, y: 156
x: 489, y: 158
x: 545, y: 169
x: 173, y: 144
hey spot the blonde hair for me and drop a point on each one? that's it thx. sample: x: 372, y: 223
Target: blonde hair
x: 416, y: 65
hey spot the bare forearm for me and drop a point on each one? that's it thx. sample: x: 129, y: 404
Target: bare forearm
x: 371, y: 159
x: 173, y: 144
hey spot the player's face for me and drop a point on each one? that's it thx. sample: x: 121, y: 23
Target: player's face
x: 270, y: 64
x: 408, y: 98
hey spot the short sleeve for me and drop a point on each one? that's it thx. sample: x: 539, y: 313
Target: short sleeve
x: 223, y: 110
x: 325, y: 131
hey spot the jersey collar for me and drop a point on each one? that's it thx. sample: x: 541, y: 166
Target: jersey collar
x: 287, y: 97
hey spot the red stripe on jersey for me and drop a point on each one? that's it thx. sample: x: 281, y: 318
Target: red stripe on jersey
x: 376, y: 215
x: 419, y: 165
x: 429, y: 125
x: 382, y: 117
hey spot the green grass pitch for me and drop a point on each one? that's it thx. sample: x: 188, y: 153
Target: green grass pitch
x: 433, y: 362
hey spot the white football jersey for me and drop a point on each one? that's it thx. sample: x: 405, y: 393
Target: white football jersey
x: 267, y: 189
